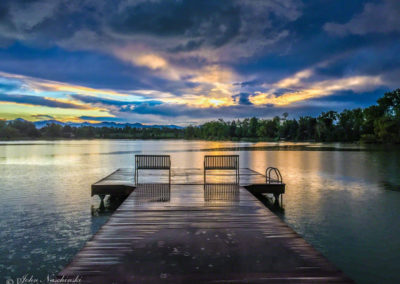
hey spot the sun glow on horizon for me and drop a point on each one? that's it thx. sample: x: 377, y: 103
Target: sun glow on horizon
x: 214, y: 88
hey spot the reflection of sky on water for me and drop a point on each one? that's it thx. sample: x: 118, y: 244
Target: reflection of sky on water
x: 345, y: 203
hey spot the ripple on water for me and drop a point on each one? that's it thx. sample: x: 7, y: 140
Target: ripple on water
x: 343, y: 202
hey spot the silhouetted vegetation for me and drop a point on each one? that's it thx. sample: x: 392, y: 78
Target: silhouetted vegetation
x: 378, y: 123
x: 20, y: 129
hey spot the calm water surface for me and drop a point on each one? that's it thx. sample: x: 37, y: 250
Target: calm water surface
x: 343, y: 199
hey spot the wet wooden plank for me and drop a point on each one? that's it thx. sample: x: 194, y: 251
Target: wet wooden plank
x: 119, y: 182
x: 183, y: 233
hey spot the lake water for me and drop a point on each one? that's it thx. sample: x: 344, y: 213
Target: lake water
x: 343, y: 199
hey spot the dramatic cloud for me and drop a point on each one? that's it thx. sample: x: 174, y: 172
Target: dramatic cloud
x: 242, y: 98
x: 42, y: 116
x: 40, y: 101
x: 382, y: 17
x: 180, y: 61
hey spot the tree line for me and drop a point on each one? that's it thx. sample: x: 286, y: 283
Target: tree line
x: 22, y: 129
x: 379, y: 123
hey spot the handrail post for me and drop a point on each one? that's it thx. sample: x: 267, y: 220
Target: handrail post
x: 278, y: 175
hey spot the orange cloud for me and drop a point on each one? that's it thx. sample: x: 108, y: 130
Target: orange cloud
x: 315, y: 90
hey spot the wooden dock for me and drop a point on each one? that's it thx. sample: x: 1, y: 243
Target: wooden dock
x: 188, y: 232
x: 121, y: 182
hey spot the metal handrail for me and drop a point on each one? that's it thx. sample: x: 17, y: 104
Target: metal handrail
x: 274, y: 171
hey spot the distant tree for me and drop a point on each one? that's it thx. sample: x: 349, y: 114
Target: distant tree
x: 269, y: 128
x: 390, y: 103
x: 189, y: 132
x: 25, y: 128
x: 239, y: 129
x: 371, y: 114
x: 67, y: 131
x: 232, y: 129
x: 9, y: 132
x: 52, y: 130
x: 289, y: 129
x: 253, y: 126
x: 350, y: 125
x: 306, y: 129
x: 245, y: 127
x: 387, y: 126
x: 325, y: 128
x: 387, y: 130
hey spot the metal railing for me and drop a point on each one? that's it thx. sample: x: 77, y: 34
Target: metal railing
x: 273, y: 175
x: 152, y: 162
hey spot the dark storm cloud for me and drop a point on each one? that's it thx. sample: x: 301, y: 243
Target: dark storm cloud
x: 3, y: 12
x: 380, y: 17
x: 180, y: 112
x: 249, y: 83
x: 371, y: 60
x: 188, y: 46
x: 108, y: 102
x: 242, y: 98
x: 158, y: 108
x: 314, y: 107
x: 38, y: 101
x: 259, y: 42
x: 59, y: 33
x: 101, y: 101
x: 174, y: 110
x: 93, y: 24
x: 213, y: 21
x: 44, y: 22
x: 79, y: 67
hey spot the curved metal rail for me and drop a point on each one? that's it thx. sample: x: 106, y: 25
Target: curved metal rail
x: 273, y: 175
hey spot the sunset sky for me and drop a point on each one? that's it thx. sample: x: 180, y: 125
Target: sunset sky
x: 187, y: 61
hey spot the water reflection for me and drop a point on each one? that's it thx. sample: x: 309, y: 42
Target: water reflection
x: 271, y: 202
x: 107, y: 205
x: 157, y: 192
x: 221, y: 193
x: 338, y: 200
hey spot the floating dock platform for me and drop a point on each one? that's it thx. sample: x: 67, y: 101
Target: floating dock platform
x: 191, y: 232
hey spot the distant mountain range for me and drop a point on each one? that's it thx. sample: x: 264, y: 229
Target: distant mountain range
x: 43, y: 123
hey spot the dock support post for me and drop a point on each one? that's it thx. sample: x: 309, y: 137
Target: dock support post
x: 102, y: 207
x: 276, y: 197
